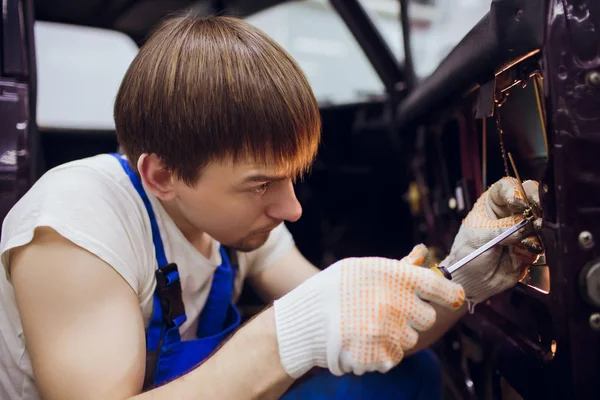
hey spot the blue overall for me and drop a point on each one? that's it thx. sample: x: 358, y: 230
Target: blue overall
x: 168, y: 357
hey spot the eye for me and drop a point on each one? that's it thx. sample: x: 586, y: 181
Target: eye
x: 261, y: 188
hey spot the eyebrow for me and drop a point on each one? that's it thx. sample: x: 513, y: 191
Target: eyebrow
x: 263, y: 178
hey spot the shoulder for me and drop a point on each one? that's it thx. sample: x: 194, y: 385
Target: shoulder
x: 91, y: 203
x: 70, y: 193
x: 86, y: 178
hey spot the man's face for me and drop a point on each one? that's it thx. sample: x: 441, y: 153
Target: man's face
x: 238, y: 204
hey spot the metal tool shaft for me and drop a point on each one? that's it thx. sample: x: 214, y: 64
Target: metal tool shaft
x: 486, y: 247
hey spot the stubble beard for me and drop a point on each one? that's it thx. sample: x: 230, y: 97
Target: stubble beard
x: 251, y: 242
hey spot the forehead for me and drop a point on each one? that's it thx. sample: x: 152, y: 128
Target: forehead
x: 239, y: 171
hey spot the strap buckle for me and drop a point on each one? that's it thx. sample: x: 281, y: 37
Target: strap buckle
x: 168, y: 287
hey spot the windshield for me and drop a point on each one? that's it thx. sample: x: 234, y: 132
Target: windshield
x: 338, y: 70
x: 318, y: 39
x: 436, y: 26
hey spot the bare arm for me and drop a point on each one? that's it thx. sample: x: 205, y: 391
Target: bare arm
x: 246, y: 367
x: 286, y: 273
x: 85, y: 334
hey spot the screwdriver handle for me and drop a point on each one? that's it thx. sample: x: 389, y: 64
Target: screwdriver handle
x: 443, y: 272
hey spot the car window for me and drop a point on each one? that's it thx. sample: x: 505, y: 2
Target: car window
x: 436, y: 27
x: 79, y: 70
x: 339, y: 72
x: 316, y: 36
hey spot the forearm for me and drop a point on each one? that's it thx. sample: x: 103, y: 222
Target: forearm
x: 445, y: 319
x: 246, y: 367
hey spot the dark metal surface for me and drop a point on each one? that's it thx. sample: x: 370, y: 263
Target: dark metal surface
x: 18, y: 139
x: 13, y: 40
x: 409, y: 69
x: 14, y: 117
x: 589, y: 280
x: 571, y: 53
x: 543, y: 345
x: 512, y: 29
x: 372, y: 43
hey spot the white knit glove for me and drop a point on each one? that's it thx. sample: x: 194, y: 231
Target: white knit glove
x: 501, y: 267
x: 360, y: 314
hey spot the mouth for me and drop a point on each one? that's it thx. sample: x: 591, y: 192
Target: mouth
x: 266, y: 230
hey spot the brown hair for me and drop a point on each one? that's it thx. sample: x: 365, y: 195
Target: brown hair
x: 202, y: 89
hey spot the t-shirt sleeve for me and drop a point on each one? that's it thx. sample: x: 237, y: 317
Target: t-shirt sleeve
x: 279, y: 243
x: 89, y: 209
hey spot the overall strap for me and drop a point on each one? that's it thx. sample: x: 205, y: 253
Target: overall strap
x: 167, y: 311
x: 215, y: 313
x: 159, y: 249
x: 231, y: 256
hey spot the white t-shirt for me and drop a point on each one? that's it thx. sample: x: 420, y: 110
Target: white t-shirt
x: 92, y: 203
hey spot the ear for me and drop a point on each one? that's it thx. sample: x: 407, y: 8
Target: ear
x: 156, y: 177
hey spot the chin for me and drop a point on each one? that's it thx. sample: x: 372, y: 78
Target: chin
x: 252, y: 242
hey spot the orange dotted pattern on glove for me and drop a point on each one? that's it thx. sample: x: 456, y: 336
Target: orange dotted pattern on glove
x: 478, y: 218
x: 417, y: 255
x: 516, y: 188
x: 378, y: 300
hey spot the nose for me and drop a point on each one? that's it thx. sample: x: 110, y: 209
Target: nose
x: 285, y: 205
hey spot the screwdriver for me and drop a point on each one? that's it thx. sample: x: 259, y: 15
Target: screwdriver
x: 447, y: 271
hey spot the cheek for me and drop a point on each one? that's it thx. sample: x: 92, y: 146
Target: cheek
x: 225, y: 214
x: 239, y: 214
x: 237, y: 221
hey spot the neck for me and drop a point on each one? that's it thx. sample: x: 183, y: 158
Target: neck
x: 199, y: 239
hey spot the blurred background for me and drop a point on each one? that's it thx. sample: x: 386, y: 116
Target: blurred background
x: 310, y: 30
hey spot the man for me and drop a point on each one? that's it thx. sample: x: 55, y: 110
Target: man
x: 118, y: 280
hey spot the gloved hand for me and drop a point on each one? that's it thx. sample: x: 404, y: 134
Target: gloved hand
x: 501, y: 267
x: 360, y: 314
